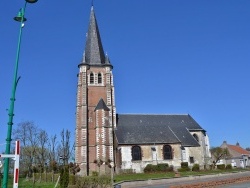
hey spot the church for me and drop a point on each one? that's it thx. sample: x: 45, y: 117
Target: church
x: 105, y: 140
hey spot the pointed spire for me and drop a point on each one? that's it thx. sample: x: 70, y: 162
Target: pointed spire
x: 101, y: 105
x: 83, y: 58
x: 94, y: 54
x: 107, y: 61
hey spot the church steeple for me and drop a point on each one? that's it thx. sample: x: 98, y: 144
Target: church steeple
x: 95, y: 109
x: 94, y: 54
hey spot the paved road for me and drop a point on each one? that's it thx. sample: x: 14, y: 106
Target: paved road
x: 166, y: 183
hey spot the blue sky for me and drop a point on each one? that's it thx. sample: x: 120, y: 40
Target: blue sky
x: 169, y: 57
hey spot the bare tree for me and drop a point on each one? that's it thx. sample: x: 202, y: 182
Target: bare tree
x: 27, y: 132
x: 52, y: 152
x: 42, y: 152
x: 65, y: 146
x: 64, y: 155
x: 219, y: 153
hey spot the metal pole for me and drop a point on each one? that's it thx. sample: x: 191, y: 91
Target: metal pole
x: 12, y: 102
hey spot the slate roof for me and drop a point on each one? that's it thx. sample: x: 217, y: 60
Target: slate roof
x: 152, y: 129
x: 94, y: 54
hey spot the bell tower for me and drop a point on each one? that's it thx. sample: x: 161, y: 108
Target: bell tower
x: 95, y: 109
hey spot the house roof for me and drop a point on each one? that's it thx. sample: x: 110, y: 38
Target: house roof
x: 152, y: 129
x: 94, y: 54
x: 238, y: 149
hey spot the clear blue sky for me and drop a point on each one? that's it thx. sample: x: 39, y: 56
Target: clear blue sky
x: 169, y: 57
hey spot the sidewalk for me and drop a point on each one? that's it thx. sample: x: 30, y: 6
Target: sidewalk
x: 170, y: 182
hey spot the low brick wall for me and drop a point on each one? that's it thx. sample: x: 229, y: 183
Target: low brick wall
x: 216, y: 183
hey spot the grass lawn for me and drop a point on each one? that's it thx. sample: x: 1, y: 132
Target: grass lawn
x: 23, y: 183
x: 142, y: 176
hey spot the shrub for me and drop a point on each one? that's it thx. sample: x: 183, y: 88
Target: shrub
x: 162, y: 167
x: 64, y: 174
x: 229, y: 166
x: 72, y: 179
x: 183, y: 169
x: 196, y: 167
x: 221, y: 166
x: 184, y: 164
x: 149, y: 168
x: 93, y: 181
x: 170, y: 169
x: 95, y: 173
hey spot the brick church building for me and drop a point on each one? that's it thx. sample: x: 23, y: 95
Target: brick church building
x: 105, y: 140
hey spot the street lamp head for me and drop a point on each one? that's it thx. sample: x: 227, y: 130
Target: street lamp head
x: 20, y: 16
x: 31, y: 1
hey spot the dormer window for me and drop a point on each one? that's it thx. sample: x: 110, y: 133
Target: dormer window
x: 99, y: 78
x: 91, y: 78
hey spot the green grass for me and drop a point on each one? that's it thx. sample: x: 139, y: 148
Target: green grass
x: 23, y: 183
x: 142, y: 176
x: 26, y: 184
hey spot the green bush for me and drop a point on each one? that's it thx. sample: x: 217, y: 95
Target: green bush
x: 196, y: 167
x: 162, y: 167
x: 94, y: 173
x: 72, y: 179
x: 221, y: 166
x: 183, y: 169
x: 64, y: 177
x: 150, y: 168
x: 229, y: 166
x: 184, y: 165
x: 93, y: 181
x: 170, y: 169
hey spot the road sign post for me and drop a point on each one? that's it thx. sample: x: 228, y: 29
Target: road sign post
x: 16, y: 158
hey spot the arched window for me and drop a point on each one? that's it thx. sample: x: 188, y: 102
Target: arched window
x: 136, y: 153
x: 91, y: 78
x: 167, y: 152
x: 99, y: 78
x: 196, y: 137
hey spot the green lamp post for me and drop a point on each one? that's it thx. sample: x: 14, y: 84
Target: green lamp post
x: 20, y: 18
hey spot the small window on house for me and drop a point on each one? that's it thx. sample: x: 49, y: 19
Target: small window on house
x: 183, y: 153
x: 136, y: 153
x: 91, y: 78
x: 191, y: 159
x: 196, y: 137
x: 167, y: 152
x: 99, y: 78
